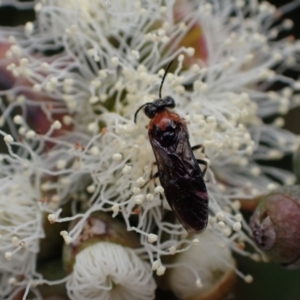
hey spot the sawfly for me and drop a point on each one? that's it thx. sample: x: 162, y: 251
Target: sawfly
x: 178, y: 169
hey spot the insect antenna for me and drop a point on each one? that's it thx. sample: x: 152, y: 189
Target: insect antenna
x: 160, y: 88
x: 163, y: 79
x: 135, y: 115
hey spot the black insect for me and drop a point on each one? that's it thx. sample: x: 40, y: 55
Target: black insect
x: 178, y: 169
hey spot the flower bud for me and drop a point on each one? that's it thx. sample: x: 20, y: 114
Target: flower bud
x: 211, y: 261
x: 276, y: 225
x: 103, y: 263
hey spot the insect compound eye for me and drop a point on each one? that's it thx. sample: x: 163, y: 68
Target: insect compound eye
x: 169, y: 102
x: 150, y: 111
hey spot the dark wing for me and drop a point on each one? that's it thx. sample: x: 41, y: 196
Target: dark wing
x: 181, y: 178
x: 189, y: 201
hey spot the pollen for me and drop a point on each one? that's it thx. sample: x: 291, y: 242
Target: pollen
x: 93, y: 99
x: 68, y: 240
x: 92, y: 127
x: 115, y: 61
x: 67, y: 120
x: 220, y: 215
x: 155, y: 265
x: 160, y: 270
x: 15, y: 241
x: 256, y: 257
x: 149, y: 197
x: 248, y: 279
x: 172, y: 250
x: 8, y: 256
x: 18, y: 120
x: 272, y: 186
x: 136, y: 190
x: 51, y: 218
x: 95, y: 151
x: 199, y: 283
x: 226, y: 230
x: 140, y: 181
x: 12, y: 280
x: 196, y: 242
x: 102, y: 74
x: 55, y: 199
x: 139, y: 199
x: 45, y: 67
x: 237, y: 226
x: 115, y: 208
x: 126, y: 169
x: 152, y: 238
x: 238, y: 217
x: 8, y: 139
x: 29, y: 28
x: 56, y: 125
x: 91, y: 188
x: 159, y: 190
x: 255, y: 171
x: 61, y: 164
x: 30, y: 134
x: 275, y: 154
x: 117, y: 157
x: 135, y: 54
x: 190, y: 51
x: 221, y: 224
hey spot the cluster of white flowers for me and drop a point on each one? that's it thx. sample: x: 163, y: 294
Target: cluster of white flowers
x: 21, y: 224
x: 79, y: 73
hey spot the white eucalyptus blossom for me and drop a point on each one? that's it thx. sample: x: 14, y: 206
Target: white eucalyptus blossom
x: 110, y: 271
x: 21, y: 224
x: 108, y: 60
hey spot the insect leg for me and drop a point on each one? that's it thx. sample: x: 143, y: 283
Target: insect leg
x: 200, y: 146
x: 155, y: 175
x: 203, y: 162
x: 146, y: 183
x: 152, y: 176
